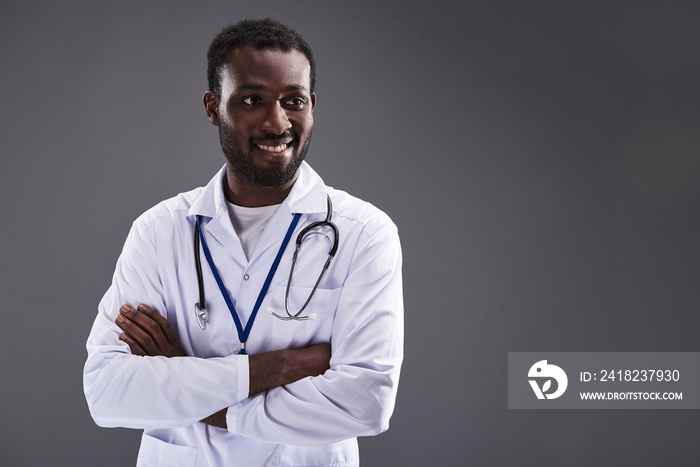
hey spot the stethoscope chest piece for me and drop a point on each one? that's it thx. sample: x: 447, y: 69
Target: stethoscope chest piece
x: 200, y: 315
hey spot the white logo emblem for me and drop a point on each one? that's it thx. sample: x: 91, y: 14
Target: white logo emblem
x: 544, y: 373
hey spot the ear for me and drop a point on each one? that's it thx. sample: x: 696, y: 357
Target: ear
x: 313, y: 101
x: 211, y: 106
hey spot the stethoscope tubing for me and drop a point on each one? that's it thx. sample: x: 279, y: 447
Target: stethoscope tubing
x: 300, y: 238
x: 200, y: 310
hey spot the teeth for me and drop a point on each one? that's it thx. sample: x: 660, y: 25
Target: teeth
x: 279, y: 148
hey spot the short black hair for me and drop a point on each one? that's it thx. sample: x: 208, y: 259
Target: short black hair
x: 260, y: 34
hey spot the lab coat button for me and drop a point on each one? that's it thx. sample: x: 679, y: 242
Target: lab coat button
x: 246, y: 277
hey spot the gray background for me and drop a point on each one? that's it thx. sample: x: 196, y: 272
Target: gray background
x: 541, y: 160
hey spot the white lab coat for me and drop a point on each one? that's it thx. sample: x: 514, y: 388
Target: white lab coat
x: 314, y: 421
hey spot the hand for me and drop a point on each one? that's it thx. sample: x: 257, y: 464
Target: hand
x: 272, y: 369
x: 147, y: 332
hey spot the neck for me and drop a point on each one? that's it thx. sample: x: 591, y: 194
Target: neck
x: 244, y: 193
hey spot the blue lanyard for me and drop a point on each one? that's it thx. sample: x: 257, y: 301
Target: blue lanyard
x: 244, y: 333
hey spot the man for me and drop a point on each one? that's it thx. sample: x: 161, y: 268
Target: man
x: 211, y: 381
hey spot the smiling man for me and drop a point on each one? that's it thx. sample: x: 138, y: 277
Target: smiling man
x: 178, y: 347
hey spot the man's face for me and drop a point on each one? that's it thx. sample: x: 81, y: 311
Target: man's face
x: 265, y: 114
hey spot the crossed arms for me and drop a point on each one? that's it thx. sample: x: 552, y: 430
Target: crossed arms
x: 148, y: 333
x: 141, y: 380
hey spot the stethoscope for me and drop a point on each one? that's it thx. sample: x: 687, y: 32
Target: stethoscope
x: 200, y: 310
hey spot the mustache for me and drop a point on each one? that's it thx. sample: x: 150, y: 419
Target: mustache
x: 286, y: 136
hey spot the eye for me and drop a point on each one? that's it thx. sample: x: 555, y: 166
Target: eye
x: 295, y: 102
x: 252, y: 100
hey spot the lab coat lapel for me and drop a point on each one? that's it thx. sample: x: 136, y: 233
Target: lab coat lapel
x: 273, y: 234
x: 221, y: 229
x: 220, y: 235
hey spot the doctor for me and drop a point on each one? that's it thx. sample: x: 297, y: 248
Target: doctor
x: 296, y: 392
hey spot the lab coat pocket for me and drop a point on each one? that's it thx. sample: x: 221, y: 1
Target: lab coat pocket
x: 342, y: 454
x: 157, y: 453
x: 303, y: 332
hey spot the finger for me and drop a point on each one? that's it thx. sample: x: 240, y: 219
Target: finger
x: 162, y: 322
x: 148, y: 325
x: 136, y: 349
x: 137, y: 334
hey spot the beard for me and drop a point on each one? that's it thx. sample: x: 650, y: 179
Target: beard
x: 243, y: 163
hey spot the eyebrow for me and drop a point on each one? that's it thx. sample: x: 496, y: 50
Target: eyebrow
x: 260, y: 87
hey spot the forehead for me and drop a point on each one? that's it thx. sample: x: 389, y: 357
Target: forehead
x: 268, y: 68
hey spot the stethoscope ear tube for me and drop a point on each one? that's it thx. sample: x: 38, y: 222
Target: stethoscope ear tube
x: 314, y: 225
x: 336, y: 234
x: 200, y: 310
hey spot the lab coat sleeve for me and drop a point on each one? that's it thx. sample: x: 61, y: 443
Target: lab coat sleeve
x: 150, y: 392
x: 356, y: 396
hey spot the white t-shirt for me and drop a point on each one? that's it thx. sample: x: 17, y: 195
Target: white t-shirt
x: 249, y: 223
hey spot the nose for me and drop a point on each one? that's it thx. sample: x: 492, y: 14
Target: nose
x: 275, y: 120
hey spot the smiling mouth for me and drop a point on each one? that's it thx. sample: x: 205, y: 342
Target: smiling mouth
x: 279, y: 148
